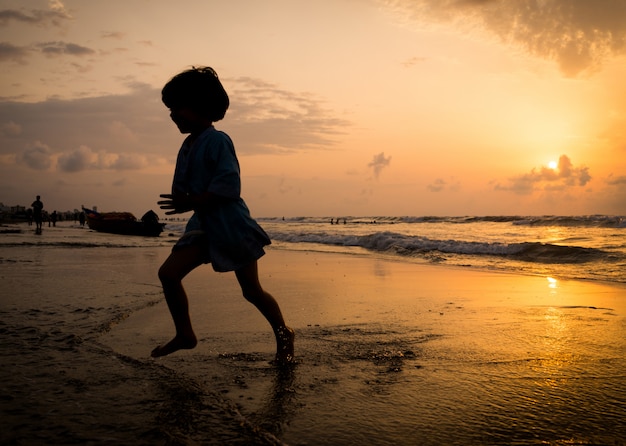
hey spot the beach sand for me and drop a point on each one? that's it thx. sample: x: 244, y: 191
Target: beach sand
x: 398, y: 353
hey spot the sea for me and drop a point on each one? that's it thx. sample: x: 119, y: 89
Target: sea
x: 591, y: 247
x: 64, y: 289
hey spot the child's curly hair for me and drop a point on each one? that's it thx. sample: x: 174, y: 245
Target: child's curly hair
x: 198, y: 88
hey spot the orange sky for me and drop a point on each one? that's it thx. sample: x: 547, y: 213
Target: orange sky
x: 338, y: 107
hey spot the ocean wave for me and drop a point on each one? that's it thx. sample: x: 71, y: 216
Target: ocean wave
x: 404, y: 245
x: 594, y: 221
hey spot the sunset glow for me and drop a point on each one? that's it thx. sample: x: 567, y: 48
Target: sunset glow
x: 375, y: 107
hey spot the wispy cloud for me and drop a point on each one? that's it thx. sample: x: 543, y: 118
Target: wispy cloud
x: 13, y: 53
x: 84, y: 158
x: 56, y: 15
x: 117, y: 35
x: 566, y: 175
x: 440, y: 185
x: 579, y: 35
x: 408, y: 63
x: 378, y: 163
x: 616, y: 181
x: 266, y: 118
x: 132, y: 131
x: 63, y: 48
x: 21, y: 54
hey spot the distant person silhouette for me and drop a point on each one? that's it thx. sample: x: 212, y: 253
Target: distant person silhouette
x: 221, y: 231
x: 37, y: 213
x: 81, y: 218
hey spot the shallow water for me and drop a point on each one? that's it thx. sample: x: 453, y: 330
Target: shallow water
x: 529, y: 362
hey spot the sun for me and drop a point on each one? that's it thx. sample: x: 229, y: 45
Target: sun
x: 553, y: 165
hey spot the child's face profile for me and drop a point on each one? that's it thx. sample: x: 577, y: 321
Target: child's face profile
x: 187, y: 120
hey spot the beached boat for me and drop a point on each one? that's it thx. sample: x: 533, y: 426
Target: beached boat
x: 124, y: 223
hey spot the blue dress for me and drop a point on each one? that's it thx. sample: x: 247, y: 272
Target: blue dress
x: 229, y: 236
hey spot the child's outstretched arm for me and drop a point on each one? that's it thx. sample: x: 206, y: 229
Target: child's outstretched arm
x: 180, y: 202
x: 175, y: 203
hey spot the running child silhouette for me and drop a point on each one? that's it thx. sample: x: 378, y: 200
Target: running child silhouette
x: 221, y: 230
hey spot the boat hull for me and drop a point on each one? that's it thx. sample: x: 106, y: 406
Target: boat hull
x: 123, y: 223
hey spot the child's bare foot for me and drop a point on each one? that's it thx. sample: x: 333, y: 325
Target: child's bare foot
x: 178, y: 343
x: 284, y: 345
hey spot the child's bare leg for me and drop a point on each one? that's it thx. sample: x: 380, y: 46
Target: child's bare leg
x: 171, y: 274
x: 248, y: 278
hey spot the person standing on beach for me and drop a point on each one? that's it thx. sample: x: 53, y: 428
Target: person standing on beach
x: 37, y: 213
x: 221, y: 230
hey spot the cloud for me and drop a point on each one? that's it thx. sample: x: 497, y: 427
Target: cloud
x: 19, y: 54
x: 413, y: 61
x: 52, y: 49
x: 566, y: 175
x: 378, y: 163
x: 578, y: 35
x: 437, y: 185
x: 128, y: 161
x: 80, y: 159
x: 37, y: 157
x: 440, y: 185
x: 113, y: 35
x: 13, y: 53
x: 133, y: 130
x: 616, y: 181
x: 55, y: 16
x: 10, y: 129
x: 132, y: 123
x: 81, y: 68
x: 84, y: 158
x: 283, y: 187
x: 266, y: 118
x: 572, y: 175
x: 120, y: 130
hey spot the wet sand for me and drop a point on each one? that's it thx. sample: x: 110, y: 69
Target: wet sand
x: 398, y: 353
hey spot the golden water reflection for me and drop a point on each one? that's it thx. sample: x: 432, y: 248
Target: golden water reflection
x: 552, y: 282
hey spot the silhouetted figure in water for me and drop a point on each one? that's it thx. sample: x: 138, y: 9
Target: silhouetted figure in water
x: 37, y: 213
x: 221, y: 230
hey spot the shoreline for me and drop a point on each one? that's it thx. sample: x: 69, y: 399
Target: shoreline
x: 595, y: 271
x: 426, y: 264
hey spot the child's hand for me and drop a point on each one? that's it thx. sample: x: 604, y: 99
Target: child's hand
x: 176, y: 203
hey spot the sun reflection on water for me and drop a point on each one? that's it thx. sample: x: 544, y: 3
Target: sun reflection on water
x: 553, y: 284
